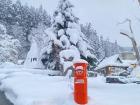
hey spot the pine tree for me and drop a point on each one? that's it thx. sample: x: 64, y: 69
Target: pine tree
x: 44, y: 44
x: 5, y: 10
x: 67, y: 36
x: 43, y: 17
x: 93, y: 39
x: 17, y: 7
x: 101, y: 48
x: 117, y: 49
x: 107, y: 48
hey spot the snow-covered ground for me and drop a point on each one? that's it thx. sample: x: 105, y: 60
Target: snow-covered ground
x: 37, y: 88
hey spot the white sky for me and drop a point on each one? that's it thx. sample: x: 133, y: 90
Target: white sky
x: 104, y: 14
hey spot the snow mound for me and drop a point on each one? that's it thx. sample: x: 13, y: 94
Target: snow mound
x: 35, y: 89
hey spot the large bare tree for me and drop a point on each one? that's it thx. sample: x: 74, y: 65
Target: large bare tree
x: 139, y: 2
x: 131, y: 37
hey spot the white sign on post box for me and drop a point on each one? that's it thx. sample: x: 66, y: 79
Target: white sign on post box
x: 79, y: 70
x: 79, y: 81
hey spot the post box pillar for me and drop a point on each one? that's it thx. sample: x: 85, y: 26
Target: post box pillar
x: 80, y: 82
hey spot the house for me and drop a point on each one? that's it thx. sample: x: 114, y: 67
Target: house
x: 112, y: 66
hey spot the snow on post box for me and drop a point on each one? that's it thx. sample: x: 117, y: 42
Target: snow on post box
x: 80, y: 82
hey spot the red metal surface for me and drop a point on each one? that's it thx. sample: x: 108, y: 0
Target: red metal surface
x: 80, y: 83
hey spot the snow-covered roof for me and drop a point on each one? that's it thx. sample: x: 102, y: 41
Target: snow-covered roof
x: 114, y: 60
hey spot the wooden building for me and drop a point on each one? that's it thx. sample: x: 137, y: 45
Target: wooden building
x: 112, y: 66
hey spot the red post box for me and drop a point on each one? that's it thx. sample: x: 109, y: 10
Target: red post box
x: 80, y: 82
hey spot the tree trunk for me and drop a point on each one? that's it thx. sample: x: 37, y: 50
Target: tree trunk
x: 136, y: 50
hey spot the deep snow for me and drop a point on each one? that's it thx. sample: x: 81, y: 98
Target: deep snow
x: 29, y: 88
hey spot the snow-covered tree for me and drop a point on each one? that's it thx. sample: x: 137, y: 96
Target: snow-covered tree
x: 101, y: 49
x: 68, y: 42
x: 93, y: 40
x: 8, y: 47
x: 5, y: 10
x: 20, y: 20
x: 17, y: 33
x: 107, y: 47
x: 40, y: 42
x: 33, y: 59
x: 39, y: 35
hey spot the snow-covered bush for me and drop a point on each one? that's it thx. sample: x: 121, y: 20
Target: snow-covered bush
x: 8, y: 46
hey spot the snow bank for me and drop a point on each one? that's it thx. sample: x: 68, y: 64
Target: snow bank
x: 8, y: 65
x: 36, y: 89
x: 20, y: 69
x: 2, y: 76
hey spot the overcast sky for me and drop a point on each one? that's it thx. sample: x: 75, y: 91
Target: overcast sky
x: 104, y: 14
